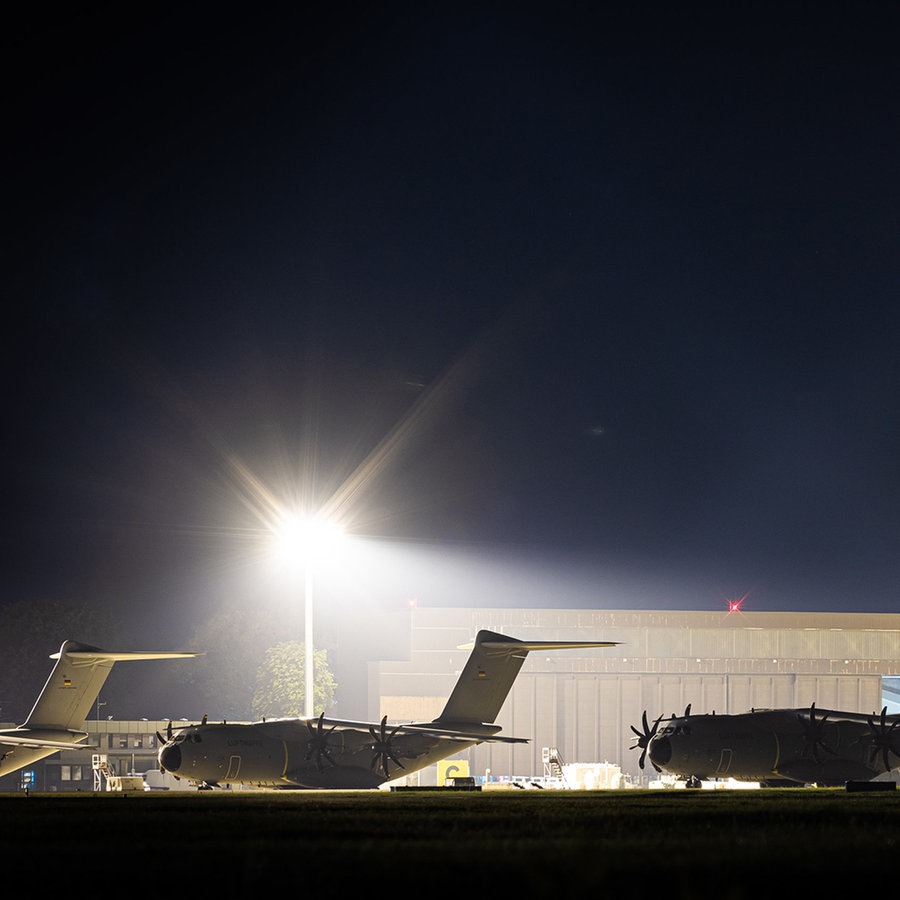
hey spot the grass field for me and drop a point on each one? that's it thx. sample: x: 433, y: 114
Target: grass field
x: 723, y: 844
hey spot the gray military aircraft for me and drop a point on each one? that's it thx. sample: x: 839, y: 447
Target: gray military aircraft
x: 321, y: 753
x: 772, y: 746
x: 57, y: 720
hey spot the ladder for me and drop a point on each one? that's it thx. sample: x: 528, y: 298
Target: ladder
x: 102, y: 770
x: 553, y: 764
x: 105, y: 770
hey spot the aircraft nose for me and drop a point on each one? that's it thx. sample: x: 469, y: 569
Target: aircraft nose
x: 660, y: 751
x: 170, y: 757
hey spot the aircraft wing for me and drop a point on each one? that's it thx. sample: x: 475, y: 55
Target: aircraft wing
x: 453, y: 734
x: 426, y: 729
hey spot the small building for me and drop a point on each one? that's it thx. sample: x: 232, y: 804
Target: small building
x: 114, y: 748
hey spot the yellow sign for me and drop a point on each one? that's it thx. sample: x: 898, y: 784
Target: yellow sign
x: 452, y: 768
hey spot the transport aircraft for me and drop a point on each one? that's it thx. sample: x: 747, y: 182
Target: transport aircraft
x: 322, y: 753
x: 772, y: 746
x: 57, y: 720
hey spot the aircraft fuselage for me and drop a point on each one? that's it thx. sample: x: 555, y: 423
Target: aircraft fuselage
x: 795, y: 745
x: 289, y: 754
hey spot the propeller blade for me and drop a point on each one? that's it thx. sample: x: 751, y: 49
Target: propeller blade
x: 643, y: 739
x: 317, y: 745
x: 882, y: 738
x: 374, y: 733
x: 813, y: 734
x: 383, y: 752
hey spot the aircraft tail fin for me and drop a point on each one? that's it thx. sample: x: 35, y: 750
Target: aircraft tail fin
x: 75, y: 682
x: 489, y: 673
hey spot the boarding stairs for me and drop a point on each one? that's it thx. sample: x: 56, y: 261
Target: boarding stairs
x: 106, y: 777
x: 553, y: 766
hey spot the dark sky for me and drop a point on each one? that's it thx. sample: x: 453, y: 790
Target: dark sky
x: 603, y: 303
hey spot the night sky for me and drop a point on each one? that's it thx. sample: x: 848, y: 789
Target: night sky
x: 567, y: 306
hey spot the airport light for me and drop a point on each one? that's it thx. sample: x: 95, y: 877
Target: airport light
x: 307, y: 541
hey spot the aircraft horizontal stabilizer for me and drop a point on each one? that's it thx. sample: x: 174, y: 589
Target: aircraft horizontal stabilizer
x: 88, y: 654
x: 512, y: 646
x: 16, y: 740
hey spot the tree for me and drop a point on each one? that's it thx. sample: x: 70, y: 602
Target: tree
x: 225, y: 682
x: 233, y: 645
x: 281, y: 682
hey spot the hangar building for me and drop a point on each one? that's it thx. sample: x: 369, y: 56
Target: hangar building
x: 584, y: 702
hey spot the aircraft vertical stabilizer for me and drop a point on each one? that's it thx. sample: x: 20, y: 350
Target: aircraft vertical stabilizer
x: 75, y: 683
x: 489, y: 673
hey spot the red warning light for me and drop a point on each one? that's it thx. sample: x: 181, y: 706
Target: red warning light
x: 735, y: 605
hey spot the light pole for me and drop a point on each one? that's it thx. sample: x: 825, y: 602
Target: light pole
x: 308, y: 638
x: 306, y: 540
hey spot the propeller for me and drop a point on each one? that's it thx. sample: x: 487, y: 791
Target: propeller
x: 882, y: 738
x: 383, y: 753
x: 165, y: 740
x: 318, y: 742
x: 812, y: 734
x: 643, y: 739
